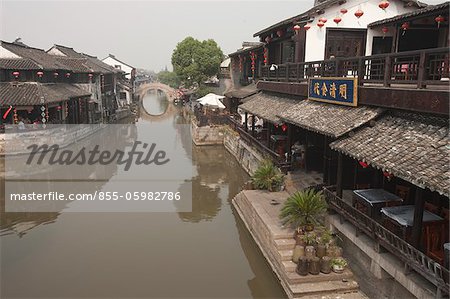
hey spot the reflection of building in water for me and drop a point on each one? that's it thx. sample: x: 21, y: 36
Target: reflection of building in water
x: 113, y: 137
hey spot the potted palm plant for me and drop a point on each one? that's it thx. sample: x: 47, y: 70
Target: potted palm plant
x: 267, y: 176
x: 303, y: 209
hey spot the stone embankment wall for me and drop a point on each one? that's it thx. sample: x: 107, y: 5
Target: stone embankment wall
x: 207, y: 135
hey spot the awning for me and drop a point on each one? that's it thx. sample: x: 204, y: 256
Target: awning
x: 328, y: 119
x: 243, y: 92
x: 410, y: 146
x: 267, y: 106
x: 22, y: 93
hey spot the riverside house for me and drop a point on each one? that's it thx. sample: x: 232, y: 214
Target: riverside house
x: 354, y: 99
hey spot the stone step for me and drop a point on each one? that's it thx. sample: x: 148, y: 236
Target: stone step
x: 285, y: 255
x: 295, y: 278
x: 351, y: 295
x: 284, y: 244
x: 289, y: 266
x: 324, y: 288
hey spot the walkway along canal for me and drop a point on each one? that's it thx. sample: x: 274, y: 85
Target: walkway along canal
x: 205, y: 253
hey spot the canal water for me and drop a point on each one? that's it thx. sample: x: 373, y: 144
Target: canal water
x: 206, y: 253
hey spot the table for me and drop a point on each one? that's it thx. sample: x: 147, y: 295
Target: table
x: 403, y: 216
x: 373, y: 200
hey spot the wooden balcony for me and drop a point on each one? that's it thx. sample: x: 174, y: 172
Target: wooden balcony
x: 413, y: 80
x: 411, y: 257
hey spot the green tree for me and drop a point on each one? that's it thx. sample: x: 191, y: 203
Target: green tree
x: 169, y: 78
x: 195, y: 61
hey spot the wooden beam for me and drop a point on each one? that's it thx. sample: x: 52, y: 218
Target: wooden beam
x: 419, y: 204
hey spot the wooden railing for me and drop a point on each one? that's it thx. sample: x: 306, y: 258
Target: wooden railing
x: 412, y: 257
x: 421, y: 68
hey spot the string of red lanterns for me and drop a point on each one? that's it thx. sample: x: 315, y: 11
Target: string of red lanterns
x: 266, y: 61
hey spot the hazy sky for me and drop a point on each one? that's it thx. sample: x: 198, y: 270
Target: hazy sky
x: 142, y: 33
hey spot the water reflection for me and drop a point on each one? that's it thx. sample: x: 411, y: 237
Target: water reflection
x: 155, y: 102
x: 206, y: 253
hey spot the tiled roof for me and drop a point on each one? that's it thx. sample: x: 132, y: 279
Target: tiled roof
x: 18, y: 64
x: 328, y: 119
x: 247, y: 49
x: 267, y: 106
x: 417, y: 13
x: 30, y: 93
x: 241, y: 93
x: 77, y: 65
x: 410, y: 146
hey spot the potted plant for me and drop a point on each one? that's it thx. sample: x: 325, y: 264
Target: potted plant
x: 325, y: 265
x: 303, y: 209
x: 267, y: 176
x: 338, y: 264
x: 323, y: 240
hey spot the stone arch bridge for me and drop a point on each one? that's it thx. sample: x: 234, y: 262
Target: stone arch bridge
x: 169, y: 91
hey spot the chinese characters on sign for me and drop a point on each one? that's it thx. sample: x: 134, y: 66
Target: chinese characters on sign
x: 341, y: 91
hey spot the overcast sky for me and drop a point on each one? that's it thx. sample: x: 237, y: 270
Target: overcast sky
x: 142, y: 33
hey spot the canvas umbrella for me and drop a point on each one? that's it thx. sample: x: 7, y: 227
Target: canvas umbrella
x: 212, y: 100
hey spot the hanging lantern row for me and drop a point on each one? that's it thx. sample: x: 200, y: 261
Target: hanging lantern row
x: 266, y: 60
x: 253, y: 59
x: 43, y: 114
x: 66, y: 105
x: 15, y: 116
x: 439, y: 19
x: 383, y: 5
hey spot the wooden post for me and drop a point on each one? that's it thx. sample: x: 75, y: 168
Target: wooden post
x: 325, y: 160
x: 245, y: 121
x: 289, y: 141
x: 361, y: 71
x: 253, y: 125
x: 387, y: 71
x: 269, y: 130
x: 421, y: 71
x: 419, y: 204
x: 355, y: 177
x: 395, y: 39
x: 305, y: 157
x: 340, y: 173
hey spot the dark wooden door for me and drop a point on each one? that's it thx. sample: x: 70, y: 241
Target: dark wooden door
x: 345, y: 43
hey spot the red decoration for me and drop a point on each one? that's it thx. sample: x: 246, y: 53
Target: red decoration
x: 383, y: 4
x: 359, y: 13
x: 306, y: 27
x: 385, y: 30
x: 320, y: 24
x: 405, y: 26
x: 67, y: 75
x: 16, y: 74
x: 5, y: 115
x: 284, y: 127
x: 439, y: 19
x: 337, y: 20
x: 55, y: 74
x: 388, y: 175
x: 344, y: 11
x: 323, y: 20
x: 59, y: 108
x: 363, y: 164
x: 296, y: 28
x: 280, y: 33
x: 40, y: 74
x: 90, y: 76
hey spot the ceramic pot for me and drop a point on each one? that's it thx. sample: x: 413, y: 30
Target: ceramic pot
x: 338, y: 269
x: 310, y: 252
x: 321, y: 251
x: 314, y: 266
x: 298, y: 252
x: 302, y: 266
x: 325, y: 265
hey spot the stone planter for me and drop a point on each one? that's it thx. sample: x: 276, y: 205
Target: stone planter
x: 299, y: 251
x: 325, y: 265
x: 310, y: 252
x: 314, y: 266
x: 302, y: 266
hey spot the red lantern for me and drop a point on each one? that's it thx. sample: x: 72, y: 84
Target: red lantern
x: 323, y: 20
x: 296, y: 28
x: 55, y: 74
x: 383, y: 4
x: 359, y: 13
x: 40, y: 74
x: 344, y: 11
x: 306, y: 27
x: 337, y: 20
x: 363, y: 164
x: 90, y: 76
x: 280, y: 33
x: 405, y: 26
x: 388, y: 175
x: 284, y: 127
x: 439, y: 19
x: 59, y: 108
x: 67, y: 75
x: 320, y: 24
x: 385, y: 30
x: 16, y: 74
